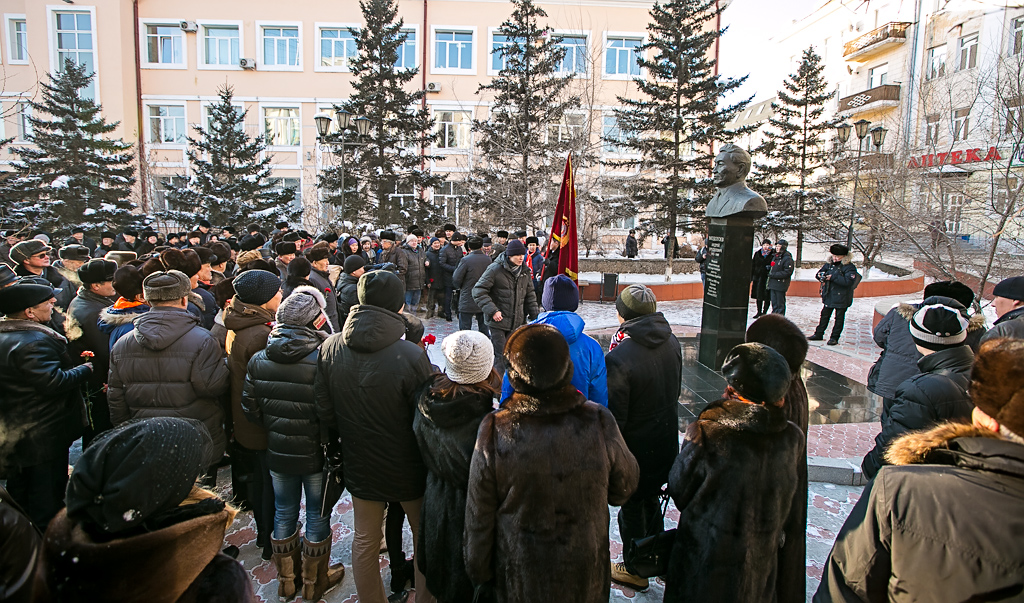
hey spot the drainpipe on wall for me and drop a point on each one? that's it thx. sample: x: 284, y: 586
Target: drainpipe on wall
x: 423, y: 89
x: 138, y: 99
x: 718, y: 43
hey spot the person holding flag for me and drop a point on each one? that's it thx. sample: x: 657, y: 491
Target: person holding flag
x: 562, y: 255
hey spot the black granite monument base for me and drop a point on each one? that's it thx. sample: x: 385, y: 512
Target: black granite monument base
x: 726, y: 289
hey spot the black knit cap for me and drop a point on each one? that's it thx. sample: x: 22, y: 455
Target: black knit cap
x: 353, y: 263
x: 256, y: 287
x: 23, y: 295
x: 757, y: 372
x: 97, y: 271
x: 136, y: 470
x: 938, y: 327
x: 1010, y: 288
x: 382, y: 289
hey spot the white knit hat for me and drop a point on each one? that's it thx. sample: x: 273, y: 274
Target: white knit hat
x: 469, y: 356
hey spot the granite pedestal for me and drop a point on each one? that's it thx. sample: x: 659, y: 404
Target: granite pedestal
x: 726, y: 289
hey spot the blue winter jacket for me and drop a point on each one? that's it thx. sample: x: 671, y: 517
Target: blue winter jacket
x: 116, y: 323
x: 589, y: 374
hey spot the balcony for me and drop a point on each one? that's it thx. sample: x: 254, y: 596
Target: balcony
x: 880, y: 97
x: 876, y: 41
x: 868, y: 162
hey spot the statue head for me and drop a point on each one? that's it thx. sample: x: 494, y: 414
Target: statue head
x: 732, y: 165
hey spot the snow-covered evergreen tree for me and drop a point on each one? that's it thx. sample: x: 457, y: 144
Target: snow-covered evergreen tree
x: 230, y: 183
x: 793, y: 149
x: 520, y: 161
x: 673, y: 125
x: 73, y: 175
x: 390, y: 163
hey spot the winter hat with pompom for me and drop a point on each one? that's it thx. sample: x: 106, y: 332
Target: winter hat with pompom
x: 304, y: 308
x: 469, y: 356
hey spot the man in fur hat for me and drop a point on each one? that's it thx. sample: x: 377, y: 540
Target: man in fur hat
x: 838, y: 278
x: 944, y: 523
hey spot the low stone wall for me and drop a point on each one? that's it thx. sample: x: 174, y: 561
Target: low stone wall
x: 637, y: 266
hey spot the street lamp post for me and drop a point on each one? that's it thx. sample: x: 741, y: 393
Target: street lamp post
x: 862, y: 128
x: 346, y: 124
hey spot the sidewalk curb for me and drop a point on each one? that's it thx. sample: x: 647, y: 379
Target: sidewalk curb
x: 842, y: 472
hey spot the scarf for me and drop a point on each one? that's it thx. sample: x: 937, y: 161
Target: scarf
x: 124, y: 304
x: 618, y: 338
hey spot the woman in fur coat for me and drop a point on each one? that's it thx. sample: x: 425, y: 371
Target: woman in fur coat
x: 734, y: 483
x: 545, y: 468
x: 449, y: 410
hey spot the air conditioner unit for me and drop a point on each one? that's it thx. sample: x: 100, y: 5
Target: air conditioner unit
x: 433, y: 86
x: 247, y: 63
x: 189, y: 26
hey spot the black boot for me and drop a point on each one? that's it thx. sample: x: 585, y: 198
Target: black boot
x: 402, y: 574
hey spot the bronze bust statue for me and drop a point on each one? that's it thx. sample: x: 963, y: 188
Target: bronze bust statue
x: 733, y: 198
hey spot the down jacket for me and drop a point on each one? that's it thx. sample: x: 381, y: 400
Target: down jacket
x: 543, y: 473
x: 589, y: 374
x: 645, y: 373
x: 942, y: 526
x: 450, y: 256
x: 938, y: 394
x: 348, y: 296
x: 1009, y: 325
x: 169, y: 366
x: 446, y: 432
x: 322, y: 282
x: 248, y: 329
x: 278, y: 395
x: 366, y: 383
x: 119, y: 319
x: 416, y: 274
x: 780, y: 271
x: 837, y: 291
x: 507, y: 288
x: 40, y: 401
x: 470, y: 269
x: 898, y: 360
x: 395, y: 256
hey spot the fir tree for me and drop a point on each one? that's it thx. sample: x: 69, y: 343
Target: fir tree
x: 675, y: 122
x: 230, y: 184
x: 391, y: 159
x: 520, y: 161
x: 73, y: 175
x: 793, y: 149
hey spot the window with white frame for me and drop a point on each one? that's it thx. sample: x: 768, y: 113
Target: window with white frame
x: 337, y: 47
x: 1017, y: 36
x: 450, y: 195
x: 936, y: 62
x: 623, y: 223
x: 75, y: 43
x: 17, y: 38
x: 163, y: 185
x: 453, y: 50
x: 208, y: 117
x: 501, y: 46
x: 954, y: 202
x: 613, y: 136
x: 404, y: 194
x: 878, y: 76
x: 165, y: 45
x: 454, y: 129
x: 22, y: 123
x: 167, y: 124
x: 961, y: 124
x: 221, y: 45
x: 570, y: 127
x: 407, y: 51
x: 281, y: 126
x: 280, y: 46
x: 293, y: 184
x: 931, y: 129
x: 575, y: 59
x: 1014, y: 113
x: 621, y: 56
x: 968, y: 55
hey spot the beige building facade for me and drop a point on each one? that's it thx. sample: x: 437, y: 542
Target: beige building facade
x: 159, y: 65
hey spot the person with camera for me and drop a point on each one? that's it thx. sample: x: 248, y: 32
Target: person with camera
x: 838, y: 278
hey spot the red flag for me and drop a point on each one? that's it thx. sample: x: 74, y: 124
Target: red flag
x: 563, y: 228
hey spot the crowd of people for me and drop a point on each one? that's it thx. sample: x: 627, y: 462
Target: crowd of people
x: 301, y: 362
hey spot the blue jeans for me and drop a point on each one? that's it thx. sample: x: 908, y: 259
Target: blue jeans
x: 287, y: 494
x: 412, y: 299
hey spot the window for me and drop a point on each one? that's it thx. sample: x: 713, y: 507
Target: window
x: 17, y: 38
x: 954, y: 202
x: 961, y: 124
x: 454, y: 128
x: 164, y: 45
x: 221, y: 45
x: 450, y: 195
x: 407, y: 51
x: 453, y: 50
x: 968, y: 52
x: 167, y: 123
x: 280, y: 47
x: 936, y: 62
x: 931, y: 130
x: 623, y: 223
x: 23, y: 127
x: 501, y: 46
x: 878, y: 76
x: 75, y: 43
x: 1014, y: 118
x: 208, y: 117
x: 337, y: 47
x: 575, y: 59
x: 620, y: 57
x: 281, y: 126
x: 613, y: 136
x: 1016, y: 36
x: 163, y: 186
x: 295, y: 184
x: 404, y: 195
x: 570, y: 127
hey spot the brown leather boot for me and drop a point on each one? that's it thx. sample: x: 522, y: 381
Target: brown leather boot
x: 288, y: 560
x: 318, y: 575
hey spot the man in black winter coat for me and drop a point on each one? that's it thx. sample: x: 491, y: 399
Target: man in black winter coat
x: 939, y: 393
x: 944, y: 523
x: 435, y: 278
x: 506, y: 296
x: 780, y: 274
x: 760, y: 263
x: 451, y: 255
x: 348, y: 295
x: 32, y: 258
x: 391, y: 253
x: 1008, y: 300
x: 470, y: 269
x: 838, y: 279
x: 40, y: 401
x: 366, y: 382
x: 632, y: 249
x: 645, y: 367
